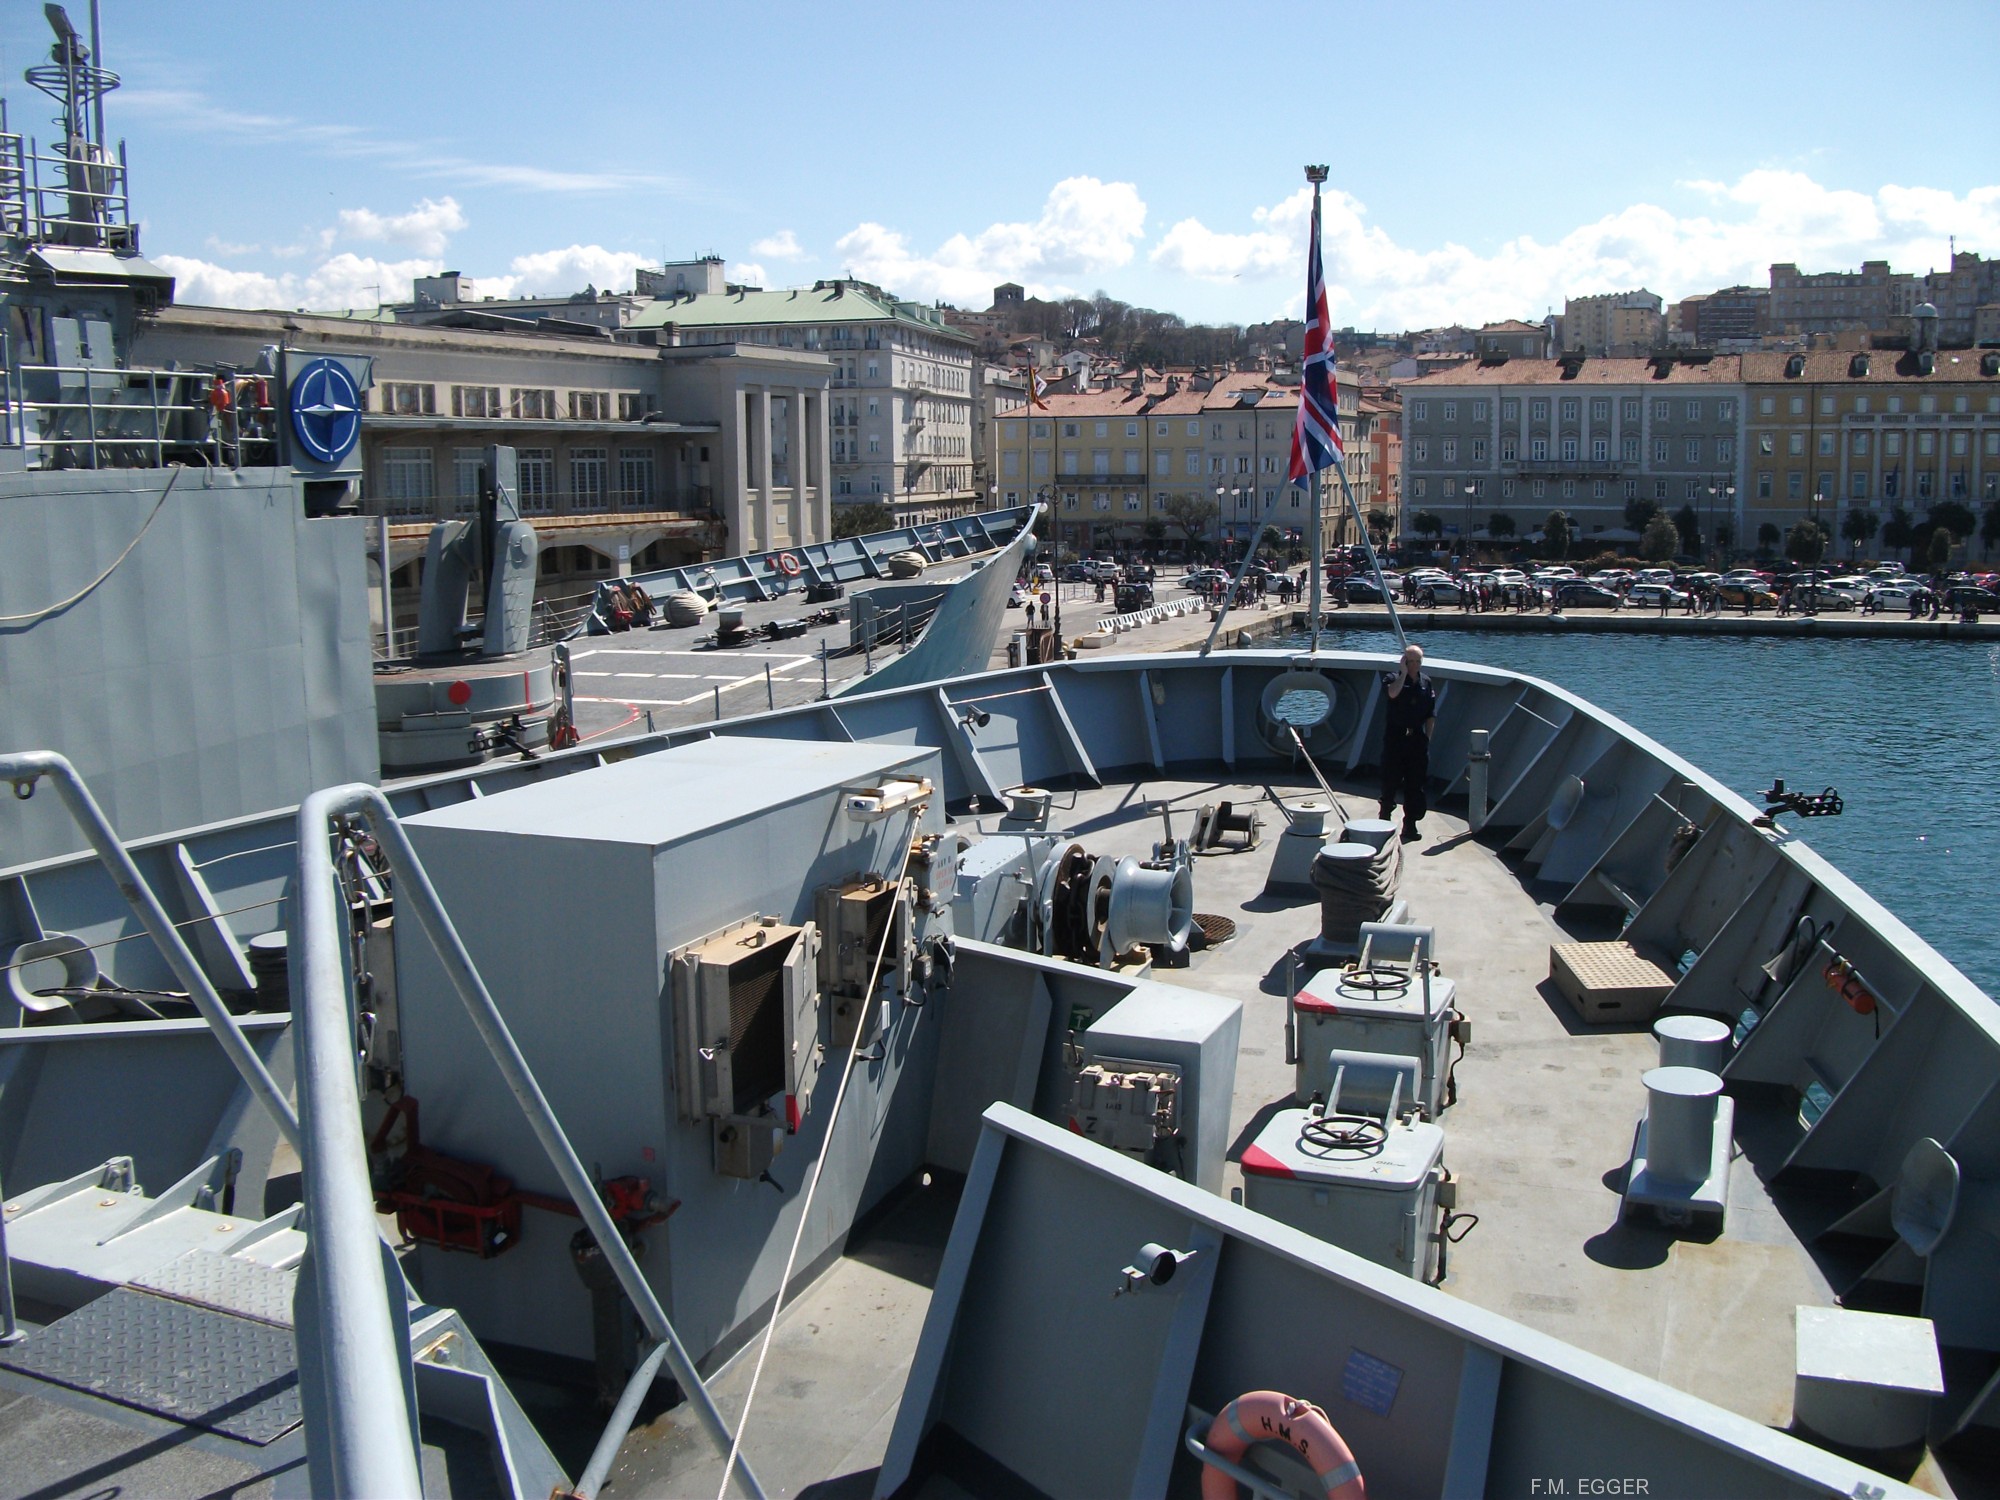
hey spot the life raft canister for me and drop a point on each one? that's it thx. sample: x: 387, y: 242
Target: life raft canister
x: 1272, y: 1416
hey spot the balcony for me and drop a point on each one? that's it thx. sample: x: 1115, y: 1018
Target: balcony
x: 1569, y: 468
x: 690, y: 503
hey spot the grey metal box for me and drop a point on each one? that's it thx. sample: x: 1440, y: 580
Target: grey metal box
x: 571, y: 895
x: 1196, y: 1033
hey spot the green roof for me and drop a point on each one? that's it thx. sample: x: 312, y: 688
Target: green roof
x: 827, y: 303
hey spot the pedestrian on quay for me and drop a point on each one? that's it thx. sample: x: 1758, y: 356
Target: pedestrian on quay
x: 1406, y: 740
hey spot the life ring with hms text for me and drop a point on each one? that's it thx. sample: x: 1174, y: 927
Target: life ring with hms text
x: 1271, y: 1416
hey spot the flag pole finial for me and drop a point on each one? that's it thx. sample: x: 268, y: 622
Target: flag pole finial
x: 1316, y: 174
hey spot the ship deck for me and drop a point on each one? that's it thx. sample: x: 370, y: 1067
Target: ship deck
x: 1538, y: 1142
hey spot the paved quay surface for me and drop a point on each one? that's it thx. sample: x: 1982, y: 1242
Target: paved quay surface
x: 664, y: 677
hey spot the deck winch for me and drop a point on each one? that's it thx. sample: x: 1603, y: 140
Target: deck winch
x: 1393, y: 1002
x: 1360, y: 1171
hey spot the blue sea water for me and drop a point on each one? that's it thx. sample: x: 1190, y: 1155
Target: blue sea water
x: 1907, y: 731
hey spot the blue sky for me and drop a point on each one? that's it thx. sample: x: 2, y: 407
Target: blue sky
x: 1487, y: 159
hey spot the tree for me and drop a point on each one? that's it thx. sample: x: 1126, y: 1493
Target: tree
x: 1379, y: 522
x: 1897, y: 531
x: 1687, y: 527
x: 1989, y: 527
x: 1155, y: 532
x: 1499, y: 524
x: 1955, y: 517
x: 861, y: 518
x: 1660, y: 541
x: 1638, y: 512
x: 1940, y: 548
x: 1193, y: 513
x: 1806, y: 544
x: 1556, y: 535
x: 1423, y: 523
x: 1768, y: 536
x: 1859, y: 526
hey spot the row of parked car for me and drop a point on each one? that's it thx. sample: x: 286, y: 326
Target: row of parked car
x: 1886, y: 589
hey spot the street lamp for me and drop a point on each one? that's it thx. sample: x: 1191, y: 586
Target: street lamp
x: 1465, y: 531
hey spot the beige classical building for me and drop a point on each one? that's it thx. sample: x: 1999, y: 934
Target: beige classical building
x: 630, y: 456
x: 902, y: 400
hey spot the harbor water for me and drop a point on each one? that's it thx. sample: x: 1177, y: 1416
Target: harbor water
x: 1908, y: 732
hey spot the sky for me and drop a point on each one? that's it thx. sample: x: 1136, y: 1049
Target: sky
x: 1487, y: 160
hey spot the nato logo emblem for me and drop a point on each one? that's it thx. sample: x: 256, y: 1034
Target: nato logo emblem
x: 326, y: 410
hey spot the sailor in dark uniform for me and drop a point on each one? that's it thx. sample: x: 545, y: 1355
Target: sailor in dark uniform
x: 1406, y: 739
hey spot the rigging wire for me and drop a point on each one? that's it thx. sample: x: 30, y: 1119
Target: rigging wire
x: 128, y: 937
x: 32, y: 616
x: 819, y: 1163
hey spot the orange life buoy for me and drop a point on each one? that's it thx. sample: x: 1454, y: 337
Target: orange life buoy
x: 1271, y: 1416
x: 788, y: 565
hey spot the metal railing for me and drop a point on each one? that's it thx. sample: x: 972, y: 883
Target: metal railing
x: 362, y: 1412
x: 92, y: 204
x: 104, y: 417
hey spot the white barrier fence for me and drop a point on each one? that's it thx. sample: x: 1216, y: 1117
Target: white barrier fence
x: 1118, y: 624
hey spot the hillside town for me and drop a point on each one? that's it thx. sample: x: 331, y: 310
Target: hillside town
x: 688, y: 417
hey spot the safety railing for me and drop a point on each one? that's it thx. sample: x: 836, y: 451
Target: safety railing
x: 361, y: 1411
x: 24, y: 770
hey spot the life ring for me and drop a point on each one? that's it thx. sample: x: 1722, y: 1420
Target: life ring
x: 788, y: 565
x: 1271, y: 1416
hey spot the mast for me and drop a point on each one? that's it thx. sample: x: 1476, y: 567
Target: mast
x: 1316, y: 175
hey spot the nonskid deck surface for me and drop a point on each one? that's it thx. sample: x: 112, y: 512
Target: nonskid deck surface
x: 1543, y: 1125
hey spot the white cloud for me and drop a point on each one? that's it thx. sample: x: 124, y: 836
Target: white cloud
x: 746, y: 273
x: 342, y: 281
x: 555, y: 273
x: 1762, y: 217
x: 427, y: 228
x: 1086, y: 227
x: 784, y: 245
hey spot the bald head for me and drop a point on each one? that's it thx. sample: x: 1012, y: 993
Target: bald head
x: 1413, y: 658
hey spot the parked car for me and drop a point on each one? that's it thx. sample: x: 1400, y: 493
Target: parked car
x: 1819, y: 598
x: 1970, y: 599
x: 1649, y: 594
x: 1360, y: 589
x: 1579, y: 595
x: 1736, y: 592
x: 1896, y: 598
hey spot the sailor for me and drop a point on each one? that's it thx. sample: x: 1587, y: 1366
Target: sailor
x: 1406, y: 739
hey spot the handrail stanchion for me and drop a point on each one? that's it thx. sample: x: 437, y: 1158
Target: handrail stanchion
x: 10, y: 1332
x: 358, y: 1404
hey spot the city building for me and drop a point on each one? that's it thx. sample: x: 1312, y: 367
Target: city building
x: 1382, y: 409
x: 902, y: 382
x: 1521, y: 438
x: 1828, y: 433
x: 1119, y: 464
x: 1871, y: 300
x: 1733, y: 318
x: 1513, y: 338
x: 630, y: 456
x: 1958, y: 295
x: 1614, y: 324
x: 1001, y: 390
x: 1752, y: 441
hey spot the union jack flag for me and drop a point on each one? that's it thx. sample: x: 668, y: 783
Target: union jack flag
x: 1316, y: 437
